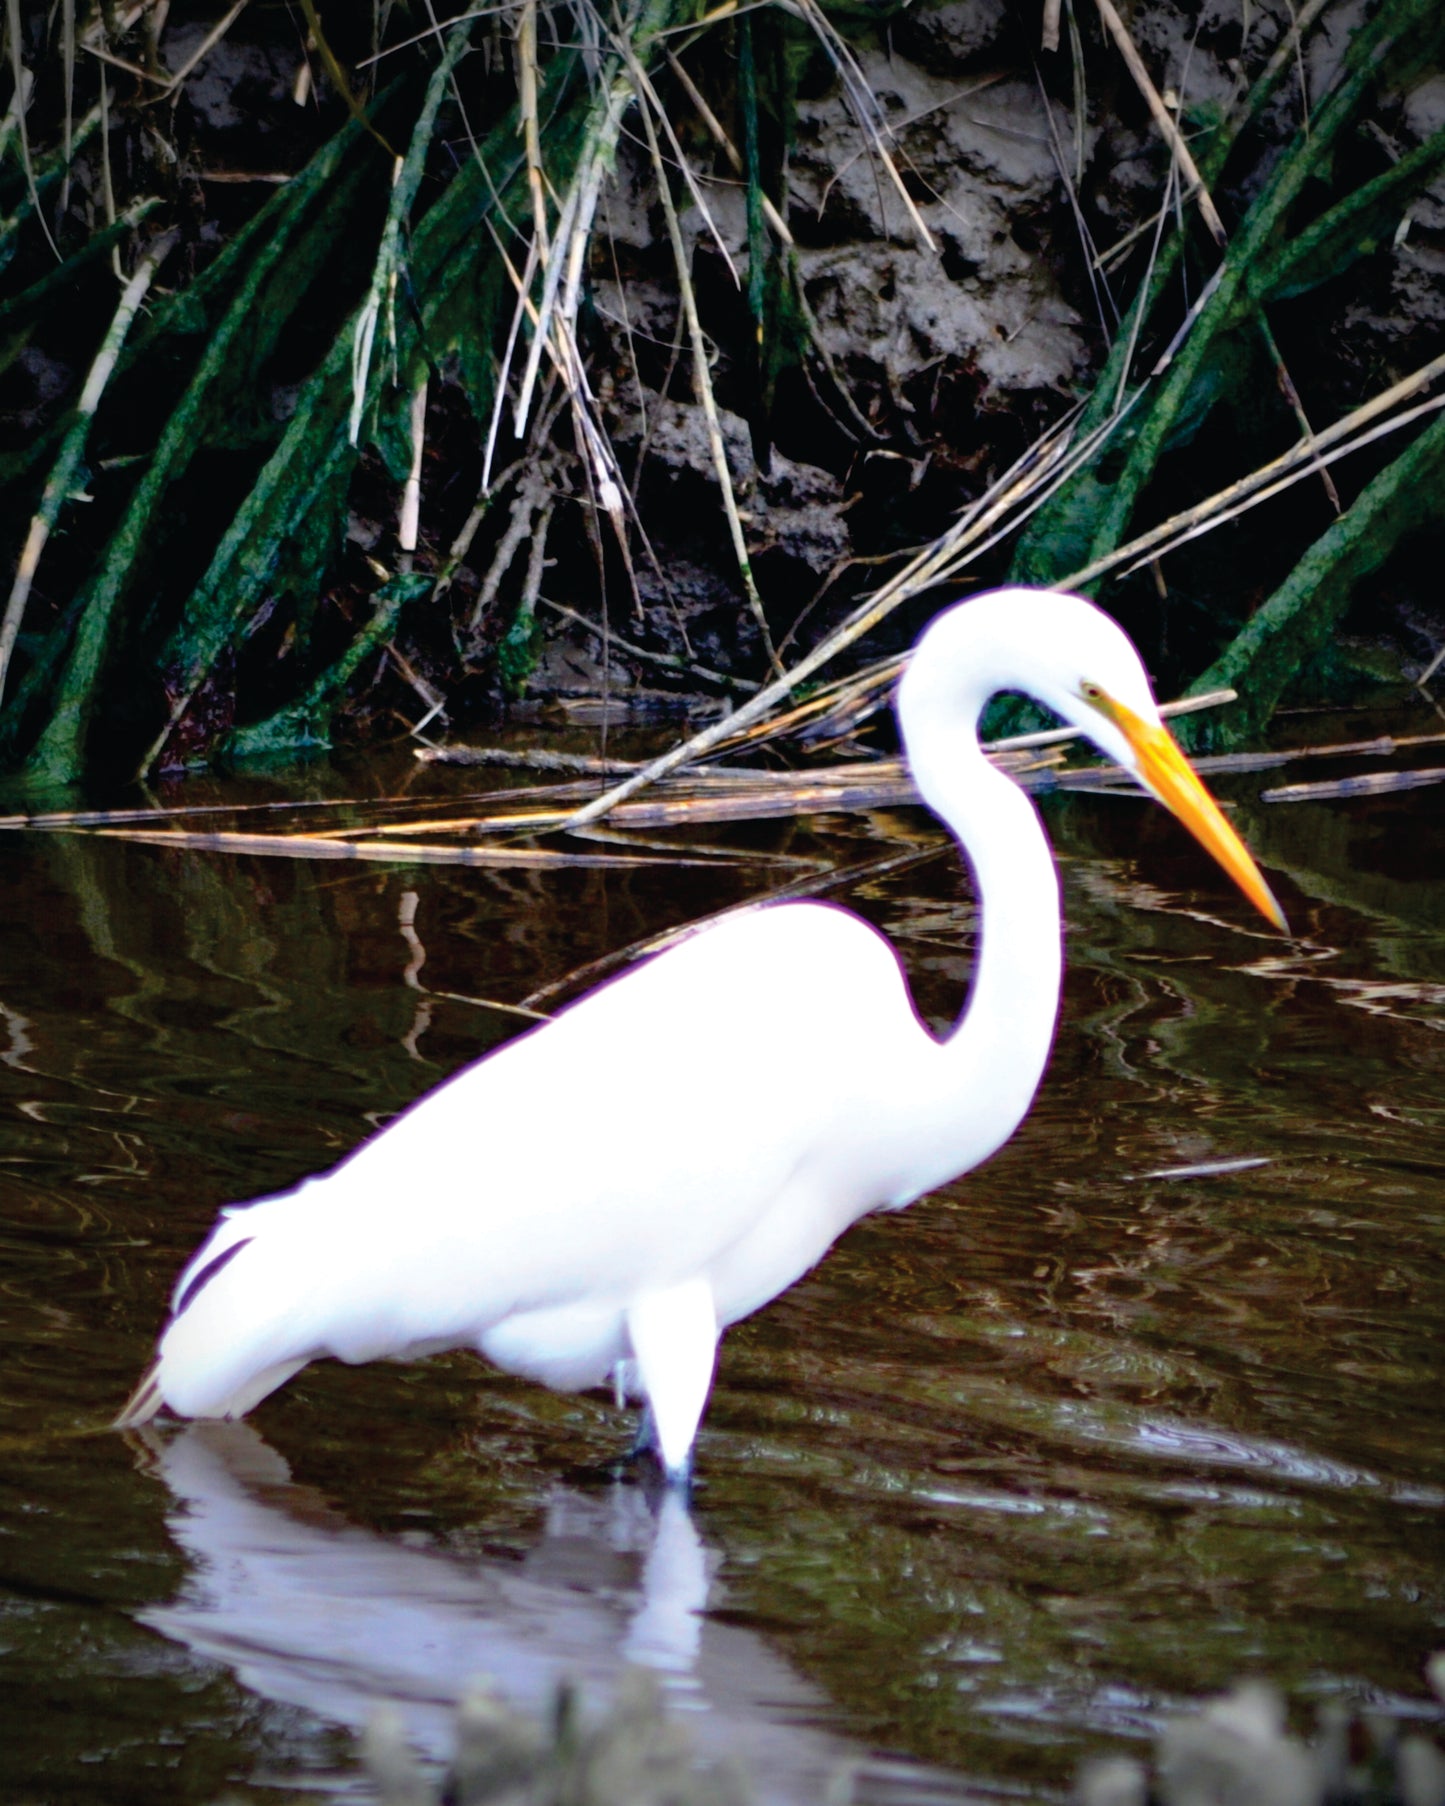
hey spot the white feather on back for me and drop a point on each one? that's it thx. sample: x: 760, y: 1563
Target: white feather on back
x: 580, y: 1166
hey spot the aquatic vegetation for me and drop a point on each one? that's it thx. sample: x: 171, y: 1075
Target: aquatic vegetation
x: 1236, y: 1748
x: 1239, y: 1748
x: 634, y: 1754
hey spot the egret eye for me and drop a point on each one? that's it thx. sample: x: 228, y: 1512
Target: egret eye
x: 1091, y: 692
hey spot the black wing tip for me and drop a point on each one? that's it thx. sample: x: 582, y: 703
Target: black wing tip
x: 209, y: 1272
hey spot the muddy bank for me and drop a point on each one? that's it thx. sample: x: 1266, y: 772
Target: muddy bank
x: 1039, y: 178
x: 854, y: 261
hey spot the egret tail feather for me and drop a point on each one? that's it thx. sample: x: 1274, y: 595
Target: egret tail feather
x: 143, y: 1403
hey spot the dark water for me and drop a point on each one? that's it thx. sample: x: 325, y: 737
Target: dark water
x: 1011, y: 1477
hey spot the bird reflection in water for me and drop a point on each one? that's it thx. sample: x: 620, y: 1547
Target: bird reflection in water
x: 311, y: 1611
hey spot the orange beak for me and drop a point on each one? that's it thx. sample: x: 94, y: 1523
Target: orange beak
x: 1170, y: 776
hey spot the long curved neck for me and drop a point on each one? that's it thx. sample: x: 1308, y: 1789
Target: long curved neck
x: 1000, y: 1045
x: 983, y: 1076
x: 1014, y: 996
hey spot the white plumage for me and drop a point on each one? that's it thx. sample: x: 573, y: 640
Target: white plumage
x: 604, y: 1195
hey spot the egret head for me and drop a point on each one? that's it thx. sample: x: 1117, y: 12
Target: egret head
x: 1080, y: 663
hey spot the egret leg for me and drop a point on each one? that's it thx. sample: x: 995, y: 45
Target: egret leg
x: 674, y: 1340
x: 645, y: 1441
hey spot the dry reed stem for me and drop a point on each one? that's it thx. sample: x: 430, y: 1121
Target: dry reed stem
x: 725, y: 143
x: 1059, y: 736
x: 531, y: 134
x: 841, y: 694
x: 562, y: 266
x: 1370, y: 783
x: 901, y: 124
x: 1288, y: 46
x: 1121, y: 246
x: 862, y: 101
x: 664, y: 660
x: 1092, y: 263
x: 369, y: 313
x: 468, y: 531
x: 761, y: 797
x: 521, y: 281
x: 530, y: 498
x: 109, y: 20
x: 1081, y: 96
x: 436, y: 31
x: 753, y: 795
x: 332, y: 65
x: 1383, y: 746
x: 406, y: 531
x: 435, y: 702
x: 67, y: 77
x: 67, y: 464
x: 23, y: 82
x: 208, y: 43
x: 551, y: 265
x: 612, y: 837
x: 757, y: 796
x: 1297, y: 408
x: 317, y: 846
x: 752, y: 801
x: 554, y: 315
x: 523, y: 308
x: 1301, y: 460
x: 1025, y: 486
x: 537, y: 556
x: 552, y: 406
x: 104, y: 818
x: 1164, y: 119
x: 551, y: 324
x: 702, y: 384
x: 647, y: 95
x: 824, y: 791
x: 138, y: 70
x: 14, y: 113
x: 480, y: 1003
x: 525, y: 758
x: 867, y: 690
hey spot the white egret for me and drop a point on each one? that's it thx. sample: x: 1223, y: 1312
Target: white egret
x: 600, y: 1199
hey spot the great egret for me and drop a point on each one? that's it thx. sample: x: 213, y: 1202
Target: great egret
x: 595, y: 1199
